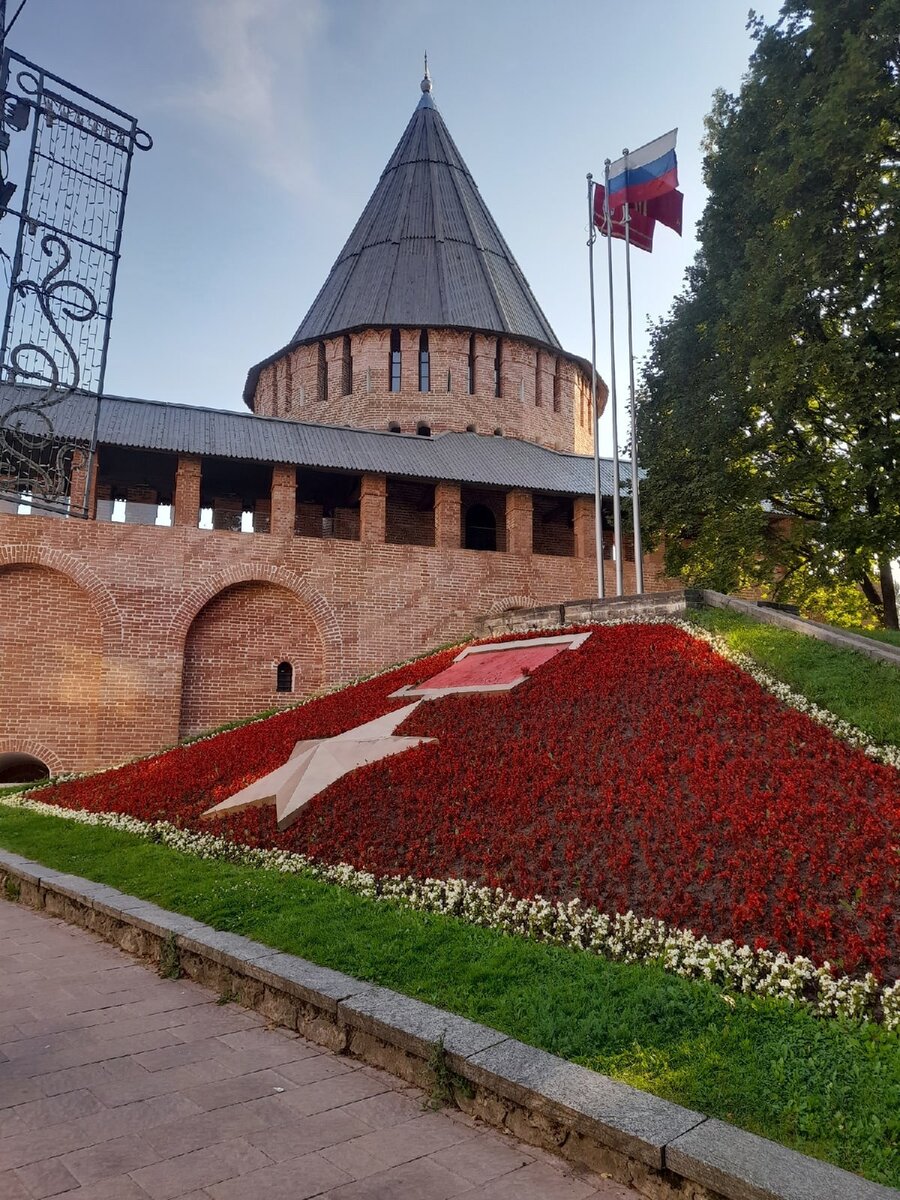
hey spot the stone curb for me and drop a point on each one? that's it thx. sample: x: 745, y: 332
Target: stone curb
x: 661, y: 1149
x: 676, y: 604
x: 839, y: 638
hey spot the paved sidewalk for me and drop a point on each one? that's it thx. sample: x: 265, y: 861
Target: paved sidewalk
x: 118, y: 1085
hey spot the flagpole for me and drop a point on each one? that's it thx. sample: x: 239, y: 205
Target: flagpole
x: 635, y: 496
x: 613, y: 394
x: 598, y: 497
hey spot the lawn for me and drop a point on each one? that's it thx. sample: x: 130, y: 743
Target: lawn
x: 858, y: 689
x: 828, y: 1088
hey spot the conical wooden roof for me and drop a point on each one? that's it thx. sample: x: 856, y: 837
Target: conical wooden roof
x: 426, y: 251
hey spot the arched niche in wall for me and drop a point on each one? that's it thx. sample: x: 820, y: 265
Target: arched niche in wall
x: 16, y: 767
x: 51, y: 664
x: 231, y: 646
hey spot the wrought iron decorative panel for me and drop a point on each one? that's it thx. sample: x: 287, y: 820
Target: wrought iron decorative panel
x: 73, y: 154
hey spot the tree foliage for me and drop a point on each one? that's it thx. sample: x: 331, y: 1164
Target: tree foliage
x: 772, y: 389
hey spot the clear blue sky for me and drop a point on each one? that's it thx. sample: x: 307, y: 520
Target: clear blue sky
x: 272, y: 120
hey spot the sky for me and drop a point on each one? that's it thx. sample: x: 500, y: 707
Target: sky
x: 273, y: 119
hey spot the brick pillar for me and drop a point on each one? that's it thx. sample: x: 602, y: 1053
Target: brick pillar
x: 519, y: 518
x: 409, y: 349
x: 284, y: 499
x: 372, y: 508
x: 79, y: 483
x: 585, y: 546
x: 186, y: 501
x: 447, y: 502
x: 485, y: 352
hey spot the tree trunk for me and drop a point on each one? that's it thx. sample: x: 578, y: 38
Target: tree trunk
x: 888, y: 594
x: 871, y: 593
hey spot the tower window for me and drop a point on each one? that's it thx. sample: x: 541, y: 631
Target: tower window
x: 284, y: 677
x: 395, y: 360
x: 424, y: 363
x: 538, y: 380
x: 322, y: 373
x: 498, y: 366
x: 423, y: 430
x: 346, y: 368
x: 557, y: 387
x: 472, y: 365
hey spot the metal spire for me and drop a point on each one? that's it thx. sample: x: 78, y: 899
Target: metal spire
x: 426, y: 101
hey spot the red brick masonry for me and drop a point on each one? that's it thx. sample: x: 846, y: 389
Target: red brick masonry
x: 117, y: 639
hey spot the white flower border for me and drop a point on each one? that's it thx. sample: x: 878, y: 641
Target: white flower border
x: 621, y: 937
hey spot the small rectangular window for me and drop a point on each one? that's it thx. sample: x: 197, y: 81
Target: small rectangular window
x: 424, y: 363
x: 346, y: 368
x: 322, y: 374
x: 395, y: 360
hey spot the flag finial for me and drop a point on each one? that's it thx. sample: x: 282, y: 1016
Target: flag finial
x: 426, y: 82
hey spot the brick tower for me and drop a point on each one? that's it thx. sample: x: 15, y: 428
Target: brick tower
x: 426, y: 323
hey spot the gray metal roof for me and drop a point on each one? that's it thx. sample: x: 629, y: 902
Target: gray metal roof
x: 425, y: 252
x: 456, y: 457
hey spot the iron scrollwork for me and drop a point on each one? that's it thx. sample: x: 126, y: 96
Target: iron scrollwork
x: 30, y: 446
x: 56, y: 331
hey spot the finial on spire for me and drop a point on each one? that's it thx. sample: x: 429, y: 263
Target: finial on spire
x: 426, y: 82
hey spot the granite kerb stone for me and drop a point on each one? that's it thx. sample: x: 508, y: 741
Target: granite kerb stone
x: 82, y: 891
x: 231, y: 950
x: 634, y: 1123
x: 23, y: 868
x: 148, y: 917
x: 417, y: 1027
x: 321, y: 987
x: 744, y: 1166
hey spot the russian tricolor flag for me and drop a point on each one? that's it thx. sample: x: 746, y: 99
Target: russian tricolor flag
x: 645, y: 173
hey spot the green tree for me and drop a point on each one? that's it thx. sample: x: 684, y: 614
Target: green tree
x: 772, y: 389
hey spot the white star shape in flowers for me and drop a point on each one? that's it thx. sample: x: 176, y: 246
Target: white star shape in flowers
x: 317, y: 763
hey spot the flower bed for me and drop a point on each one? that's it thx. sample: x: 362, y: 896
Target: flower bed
x: 641, y: 773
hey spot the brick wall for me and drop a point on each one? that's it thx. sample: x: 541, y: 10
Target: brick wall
x: 52, y: 663
x: 544, y: 398
x: 96, y: 618
x: 233, y: 649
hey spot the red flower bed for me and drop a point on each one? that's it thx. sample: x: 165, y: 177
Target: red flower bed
x: 641, y: 771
